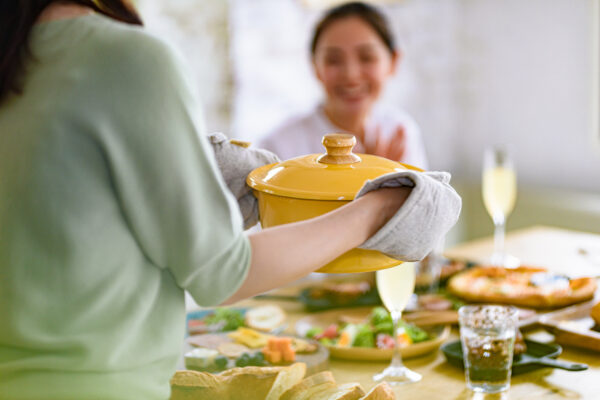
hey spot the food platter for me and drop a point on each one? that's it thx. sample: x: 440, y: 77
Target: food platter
x: 226, y: 337
x: 438, y: 333
x: 220, y: 319
x: 314, y: 302
x: 315, y: 362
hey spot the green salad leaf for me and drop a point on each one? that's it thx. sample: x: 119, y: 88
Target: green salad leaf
x: 384, y: 327
x: 314, y: 331
x: 416, y: 334
x: 382, y: 323
x: 380, y: 315
x: 233, y: 318
x: 364, y: 336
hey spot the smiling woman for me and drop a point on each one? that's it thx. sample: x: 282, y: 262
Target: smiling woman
x: 352, y: 59
x: 353, y: 55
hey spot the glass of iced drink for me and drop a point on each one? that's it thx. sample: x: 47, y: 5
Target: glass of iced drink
x: 487, y: 333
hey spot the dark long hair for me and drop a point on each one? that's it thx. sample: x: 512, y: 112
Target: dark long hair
x: 369, y: 14
x: 18, y: 16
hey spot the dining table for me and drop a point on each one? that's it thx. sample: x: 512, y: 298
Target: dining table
x: 564, y: 251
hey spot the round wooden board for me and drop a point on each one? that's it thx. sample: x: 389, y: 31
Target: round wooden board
x: 323, y: 319
x: 315, y: 362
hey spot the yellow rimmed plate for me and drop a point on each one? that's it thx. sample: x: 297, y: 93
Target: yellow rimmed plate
x: 439, y: 334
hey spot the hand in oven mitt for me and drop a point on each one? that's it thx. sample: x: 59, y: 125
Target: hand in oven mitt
x: 236, y: 161
x: 430, y: 210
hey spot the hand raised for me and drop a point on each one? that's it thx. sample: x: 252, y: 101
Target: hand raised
x: 392, y: 148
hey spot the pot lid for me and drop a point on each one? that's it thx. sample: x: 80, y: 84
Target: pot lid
x: 336, y: 175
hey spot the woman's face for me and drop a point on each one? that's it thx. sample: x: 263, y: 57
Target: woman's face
x: 353, y: 64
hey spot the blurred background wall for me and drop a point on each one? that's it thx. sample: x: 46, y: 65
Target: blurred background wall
x: 475, y: 73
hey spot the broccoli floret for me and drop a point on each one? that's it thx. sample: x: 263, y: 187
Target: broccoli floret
x: 243, y: 360
x: 257, y: 359
x: 221, y: 362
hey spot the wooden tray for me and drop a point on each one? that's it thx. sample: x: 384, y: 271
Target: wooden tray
x: 527, y: 317
x: 573, y: 326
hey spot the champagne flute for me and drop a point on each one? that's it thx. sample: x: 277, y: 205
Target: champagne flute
x: 499, y: 189
x: 396, y: 286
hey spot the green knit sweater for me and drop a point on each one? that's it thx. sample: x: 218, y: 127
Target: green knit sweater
x: 111, y: 205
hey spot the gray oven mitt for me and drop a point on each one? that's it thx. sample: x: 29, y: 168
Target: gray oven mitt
x: 236, y: 160
x: 430, y: 210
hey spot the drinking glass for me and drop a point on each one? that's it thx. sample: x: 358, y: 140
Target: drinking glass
x: 428, y: 271
x: 396, y: 286
x: 499, y: 187
x: 487, y: 334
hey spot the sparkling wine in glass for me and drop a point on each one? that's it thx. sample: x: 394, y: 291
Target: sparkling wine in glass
x: 396, y: 286
x: 499, y: 188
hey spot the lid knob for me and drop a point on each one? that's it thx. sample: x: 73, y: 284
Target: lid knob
x: 339, y: 149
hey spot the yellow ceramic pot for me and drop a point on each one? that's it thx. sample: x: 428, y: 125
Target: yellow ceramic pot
x: 308, y: 186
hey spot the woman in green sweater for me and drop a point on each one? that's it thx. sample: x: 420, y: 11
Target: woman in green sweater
x: 112, y: 205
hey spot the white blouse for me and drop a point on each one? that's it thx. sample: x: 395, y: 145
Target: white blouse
x: 301, y: 135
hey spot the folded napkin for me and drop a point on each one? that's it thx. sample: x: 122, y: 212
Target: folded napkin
x: 430, y: 210
x: 236, y: 160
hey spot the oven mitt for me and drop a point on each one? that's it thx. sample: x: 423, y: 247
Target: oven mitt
x: 236, y: 160
x: 430, y: 210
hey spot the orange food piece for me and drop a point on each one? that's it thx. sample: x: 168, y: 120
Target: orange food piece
x: 289, y: 355
x: 278, y: 349
x: 272, y: 345
x: 272, y: 356
x: 284, y: 343
x: 278, y: 343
